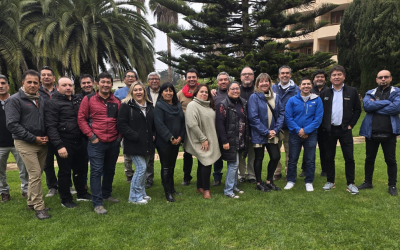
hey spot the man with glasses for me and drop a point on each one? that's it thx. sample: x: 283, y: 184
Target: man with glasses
x: 153, y: 81
x: 130, y: 77
x: 246, y: 90
x: 25, y: 120
x: 285, y: 89
x: 7, y: 146
x: 381, y: 126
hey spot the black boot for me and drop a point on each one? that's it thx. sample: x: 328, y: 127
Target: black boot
x: 166, y: 183
x: 172, y: 183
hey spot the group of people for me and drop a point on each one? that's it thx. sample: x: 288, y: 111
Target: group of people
x: 235, y: 123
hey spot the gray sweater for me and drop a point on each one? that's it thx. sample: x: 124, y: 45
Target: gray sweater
x: 200, y: 126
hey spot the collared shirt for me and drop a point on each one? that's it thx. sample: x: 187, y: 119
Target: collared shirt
x: 337, y: 106
x: 154, y: 96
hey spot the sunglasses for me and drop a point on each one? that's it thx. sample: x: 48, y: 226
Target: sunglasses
x: 381, y: 77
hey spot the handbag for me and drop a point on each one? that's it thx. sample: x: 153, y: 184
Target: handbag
x: 281, y: 134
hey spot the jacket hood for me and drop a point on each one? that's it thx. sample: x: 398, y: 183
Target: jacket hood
x: 170, y: 109
x: 291, y: 83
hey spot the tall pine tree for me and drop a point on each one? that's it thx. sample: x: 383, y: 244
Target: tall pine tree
x: 227, y: 35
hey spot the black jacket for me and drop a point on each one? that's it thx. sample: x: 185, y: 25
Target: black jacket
x: 351, y: 107
x: 169, y: 120
x: 24, y: 119
x: 83, y: 94
x: 44, y: 93
x: 138, y: 130
x: 232, y: 130
x: 221, y: 95
x: 315, y: 90
x: 61, y: 120
x: 246, y: 92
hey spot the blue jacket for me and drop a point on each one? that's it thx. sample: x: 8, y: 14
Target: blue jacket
x: 390, y: 107
x: 307, y: 115
x: 257, y: 111
x: 121, y: 93
x: 285, y: 95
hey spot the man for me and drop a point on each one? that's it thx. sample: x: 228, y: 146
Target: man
x: 381, y: 125
x: 24, y: 118
x: 303, y: 116
x: 153, y: 80
x: 87, y: 85
x: 46, y: 91
x: 285, y: 89
x: 130, y: 77
x: 97, y: 119
x: 185, y: 96
x: 66, y: 138
x: 319, y: 78
x: 7, y: 146
x: 342, y: 108
x: 246, y: 90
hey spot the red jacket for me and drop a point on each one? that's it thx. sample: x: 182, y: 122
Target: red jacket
x: 99, y: 117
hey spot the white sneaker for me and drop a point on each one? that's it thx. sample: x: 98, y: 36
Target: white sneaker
x: 142, y: 202
x: 289, y: 185
x: 309, y: 187
x: 147, y: 198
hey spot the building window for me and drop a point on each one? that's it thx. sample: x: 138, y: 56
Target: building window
x: 332, y: 47
x: 336, y: 17
x: 307, y: 50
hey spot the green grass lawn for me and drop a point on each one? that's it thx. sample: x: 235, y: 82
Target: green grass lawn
x: 291, y: 219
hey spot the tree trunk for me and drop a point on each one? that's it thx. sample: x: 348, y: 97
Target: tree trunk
x: 169, y: 60
x: 138, y: 11
x: 246, y: 21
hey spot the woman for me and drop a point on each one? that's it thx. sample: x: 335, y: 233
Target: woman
x: 201, y: 137
x: 266, y: 115
x: 233, y: 134
x: 169, y: 121
x: 135, y: 123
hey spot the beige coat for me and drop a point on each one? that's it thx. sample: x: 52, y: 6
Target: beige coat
x: 200, y: 126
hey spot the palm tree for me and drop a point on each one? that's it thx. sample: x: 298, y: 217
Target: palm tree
x: 79, y: 36
x: 168, y: 17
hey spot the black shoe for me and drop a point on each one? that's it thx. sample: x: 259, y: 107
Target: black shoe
x: 277, y: 177
x: 69, y: 204
x: 85, y: 197
x: 185, y: 183
x: 42, y: 214
x: 393, y: 190
x: 217, y: 183
x: 176, y: 193
x: 129, y: 179
x: 302, y: 174
x: 169, y: 197
x: 323, y: 174
x: 149, y: 184
x: 262, y: 187
x: 252, y: 181
x: 242, y: 180
x: 365, y: 185
x: 272, y: 186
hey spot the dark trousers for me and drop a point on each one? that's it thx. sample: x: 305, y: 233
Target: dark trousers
x: 187, y: 166
x: 345, y: 138
x: 168, y: 157
x: 103, y: 157
x: 389, y: 152
x: 321, y: 146
x: 218, y: 166
x: 77, y: 162
x: 274, y: 156
x: 203, y: 176
x: 51, y: 179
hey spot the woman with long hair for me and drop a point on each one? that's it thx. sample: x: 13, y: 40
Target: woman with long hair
x: 169, y: 121
x: 136, y: 124
x: 266, y: 115
x: 201, y: 137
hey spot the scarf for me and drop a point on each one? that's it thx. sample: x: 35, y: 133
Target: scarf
x: 143, y: 108
x: 185, y: 91
x: 270, y: 98
x: 34, y: 98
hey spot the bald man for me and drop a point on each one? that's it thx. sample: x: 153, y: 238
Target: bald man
x: 381, y: 125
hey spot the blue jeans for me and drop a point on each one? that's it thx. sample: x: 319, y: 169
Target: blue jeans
x: 218, y: 166
x: 309, y: 144
x: 103, y: 157
x: 138, y: 192
x: 231, y: 175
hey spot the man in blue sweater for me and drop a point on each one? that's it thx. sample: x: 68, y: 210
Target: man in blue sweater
x: 285, y: 89
x: 303, y: 116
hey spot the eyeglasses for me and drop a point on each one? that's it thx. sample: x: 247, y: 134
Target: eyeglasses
x: 247, y: 74
x: 154, y: 79
x: 381, y: 77
x: 130, y: 76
